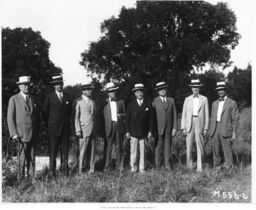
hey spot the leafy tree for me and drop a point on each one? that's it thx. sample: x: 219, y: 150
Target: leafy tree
x: 25, y: 52
x: 162, y: 40
x: 240, y: 86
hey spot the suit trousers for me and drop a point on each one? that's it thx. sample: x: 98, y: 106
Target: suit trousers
x: 60, y: 143
x: 134, y: 153
x: 114, y: 137
x: 219, y: 140
x: 84, y: 149
x: 196, y: 134
x: 163, y: 147
x: 26, y: 157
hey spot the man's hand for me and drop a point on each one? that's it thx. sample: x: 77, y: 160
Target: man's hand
x: 79, y: 135
x: 149, y: 134
x: 205, y: 131
x: 173, y: 132
x: 185, y: 131
x: 128, y: 135
x: 15, y: 137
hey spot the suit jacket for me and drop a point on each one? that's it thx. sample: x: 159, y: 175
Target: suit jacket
x: 84, y: 116
x: 187, y: 113
x: 166, y: 118
x: 229, y: 118
x: 56, y: 114
x: 139, y: 119
x: 21, y: 120
x: 107, y: 116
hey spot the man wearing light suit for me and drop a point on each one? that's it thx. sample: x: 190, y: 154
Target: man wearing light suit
x: 195, y: 122
x: 57, y: 109
x: 223, y: 126
x: 23, y: 123
x: 85, y: 125
x: 114, y: 113
x: 166, y: 116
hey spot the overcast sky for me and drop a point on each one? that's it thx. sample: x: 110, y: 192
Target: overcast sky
x: 70, y: 25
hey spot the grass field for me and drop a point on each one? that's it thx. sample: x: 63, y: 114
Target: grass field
x: 180, y: 185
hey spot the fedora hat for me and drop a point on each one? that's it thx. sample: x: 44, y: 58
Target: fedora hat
x: 161, y: 85
x: 24, y: 80
x: 195, y: 83
x: 221, y: 85
x: 138, y: 86
x: 57, y: 79
x: 87, y: 87
x: 111, y: 87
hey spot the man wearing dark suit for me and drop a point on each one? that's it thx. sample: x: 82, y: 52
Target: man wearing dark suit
x: 139, y: 126
x: 57, y: 109
x: 23, y: 123
x: 166, y: 116
x: 223, y: 126
x: 114, y: 113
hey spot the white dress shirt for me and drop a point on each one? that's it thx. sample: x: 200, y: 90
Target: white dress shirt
x: 140, y: 101
x: 220, y: 108
x: 195, y: 105
x: 87, y: 100
x: 60, y: 95
x: 113, y: 108
x: 163, y: 98
x: 23, y: 95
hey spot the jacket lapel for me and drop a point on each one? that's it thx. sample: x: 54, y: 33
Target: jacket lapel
x: 140, y: 107
x: 22, y: 100
x: 57, y: 98
x: 226, y: 103
x: 200, y: 103
x: 161, y: 103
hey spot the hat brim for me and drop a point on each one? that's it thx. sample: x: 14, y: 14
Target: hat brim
x: 112, y: 89
x: 162, y: 87
x: 21, y: 83
x: 199, y: 85
x: 221, y: 88
x: 56, y: 82
x: 135, y: 89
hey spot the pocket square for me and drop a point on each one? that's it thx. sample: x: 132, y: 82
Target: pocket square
x: 67, y: 102
x: 146, y: 109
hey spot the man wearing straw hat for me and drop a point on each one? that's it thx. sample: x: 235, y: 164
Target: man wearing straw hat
x: 114, y: 113
x: 24, y: 126
x: 166, y: 117
x: 57, y: 109
x: 195, y: 122
x: 85, y: 125
x: 139, y: 126
x: 223, y: 126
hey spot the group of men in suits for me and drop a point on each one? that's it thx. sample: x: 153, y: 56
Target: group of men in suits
x: 138, y: 123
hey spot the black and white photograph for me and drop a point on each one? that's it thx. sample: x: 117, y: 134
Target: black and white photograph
x: 127, y: 104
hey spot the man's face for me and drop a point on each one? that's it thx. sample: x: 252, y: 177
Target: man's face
x: 162, y: 92
x: 59, y: 87
x: 25, y: 88
x: 87, y: 93
x: 112, y: 94
x: 195, y: 90
x: 139, y: 94
x: 221, y: 93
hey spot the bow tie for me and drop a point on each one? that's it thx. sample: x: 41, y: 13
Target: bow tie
x: 195, y: 96
x: 221, y: 99
x: 113, y: 99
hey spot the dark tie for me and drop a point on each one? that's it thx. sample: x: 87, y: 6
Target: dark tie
x: 27, y: 102
x: 221, y: 99
x: 165, y: 103
x: 60, y: 97
x: 195, y: 96
x: 113, y: 99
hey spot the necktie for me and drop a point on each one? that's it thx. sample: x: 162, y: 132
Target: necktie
x: 195, y: 96
x: 113, y: 99
x: 89, y: 104
x: 165, y: 103
x: 27, y: 102
x: 221, y: 99
x: 140, y: 102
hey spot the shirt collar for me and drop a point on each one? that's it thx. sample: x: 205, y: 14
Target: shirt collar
x: 85, y: 97
x: 23, y: 95
x: 58, y: 93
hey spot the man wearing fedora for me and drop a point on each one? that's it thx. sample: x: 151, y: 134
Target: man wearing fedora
x: 166, y: 117
x: 57, y: 109
x: 85, y: 125
x: 114, y: 113
x: 23, y: 123
x: 223, y: 126
x: 139, y: 126
x: 195, y: 122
